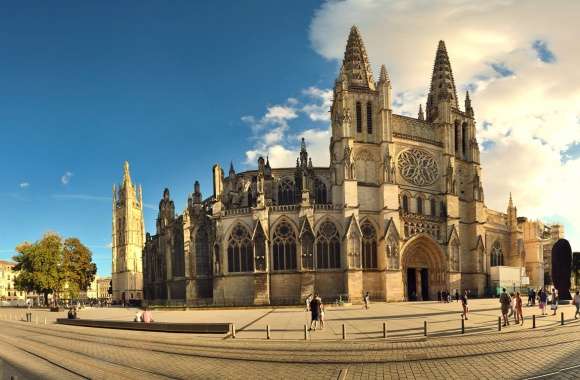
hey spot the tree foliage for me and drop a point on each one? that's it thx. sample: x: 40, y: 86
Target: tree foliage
x: 53, y: 265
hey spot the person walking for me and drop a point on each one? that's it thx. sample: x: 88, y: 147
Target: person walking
x: 314, y: 312
x: 505, y: 301
x: 576, y: 302
x: 321, y: 315
x: 543, y: 300
x: 367, y: 300
x: 456, y: 296
x: 464, y: 305
x: 308, y: 299
x: 519, y: 312
x: 439, y: 295
x: 554, y: 305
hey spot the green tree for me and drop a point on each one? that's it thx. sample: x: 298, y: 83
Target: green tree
x: 51, y: 265
x: 39, y: 265
x: 78, y: 268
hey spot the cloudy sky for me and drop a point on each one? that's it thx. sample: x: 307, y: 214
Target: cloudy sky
x: 174, y: 89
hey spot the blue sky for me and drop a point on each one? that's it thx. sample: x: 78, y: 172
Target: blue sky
x: 87, y: 85
x: 174, y: 87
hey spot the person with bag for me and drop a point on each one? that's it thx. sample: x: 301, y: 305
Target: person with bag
x: 464, y: 305
x: 505, y: 301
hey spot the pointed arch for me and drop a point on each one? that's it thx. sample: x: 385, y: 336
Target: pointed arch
x: 496, y: 254
x: 320, y: 191
x: 240, y: 250
x: 286, y: 192
x: 391, y: 238
x: 369, y: 245
x: 453, y: 250
x: 284, y: 245
x: 327, y: 246
x: 306, y: 236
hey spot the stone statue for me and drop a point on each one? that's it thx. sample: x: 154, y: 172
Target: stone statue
x: 349, y: 164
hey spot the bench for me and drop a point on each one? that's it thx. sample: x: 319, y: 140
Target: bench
x: 192, y: 328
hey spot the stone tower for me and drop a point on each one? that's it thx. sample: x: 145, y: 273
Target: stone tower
x: 127, y: 240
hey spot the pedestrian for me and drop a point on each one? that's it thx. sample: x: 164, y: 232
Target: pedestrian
x: 512, y: 304
x: 448, y: 296
x: 314, y: 312
x: 367, y: 300
x: 505, y: 301
x: 308, y: 299
x: 456, y: 296
x: 464, y: 305
x: 519, y: 312
x: 554, y: 305
x: 147, y: 316
x: 529, y: 297
x: 533, y: 297
x: 439, y: 296
x: 543, y: 300
x: 138, y: 316
x: 321, y: 315
x: 576, y: 302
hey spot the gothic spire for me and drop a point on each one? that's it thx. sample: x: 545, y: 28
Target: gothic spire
x: 303, y: 154
x: 421, y: 116
x: 355, y: 65
x: 126, y: 174
x: 232, y: 171
x: 468, y: 108
x: 384, y: 75
x: 442, y: 83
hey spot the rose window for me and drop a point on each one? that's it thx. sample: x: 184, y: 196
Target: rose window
x: 418, y: 167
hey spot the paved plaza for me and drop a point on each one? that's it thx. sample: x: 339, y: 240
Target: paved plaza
x: 59, y: 352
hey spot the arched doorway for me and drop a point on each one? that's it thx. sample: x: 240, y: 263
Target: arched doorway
x: 424, y: 271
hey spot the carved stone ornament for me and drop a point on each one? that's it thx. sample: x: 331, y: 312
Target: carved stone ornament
x: 418, y: 167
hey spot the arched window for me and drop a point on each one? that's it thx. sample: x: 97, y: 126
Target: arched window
x: 454, y: 256
x: 432, y: 206
x: 419, y: 205
x: 369, y: 118
x: 178, y: 262
x: 286, y: 194
x: 496, y: 254
x: 240, y: 257
x: 456, y: 137
x: 405, y: 203
x: 464, y: 139
x: 442, y: 210
x: 358, y: 117
x: 327, y: 246
x: 284, y: 247
x: 369, y: 246
x: 320, y: 194
x: 307, y: 250
x: 202, y: 266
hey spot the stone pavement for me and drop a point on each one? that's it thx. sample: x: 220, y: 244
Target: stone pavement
x: 516, y: 352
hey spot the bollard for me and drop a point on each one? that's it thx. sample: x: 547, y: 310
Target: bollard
x: 462, y: 326
x: 534, y: 321
x: 45, y: 321
x: 425, y: 328
x: 562, y: 318
x: 498, y: 323
x: 343, y: 332
x: 385, y: 330
x: 233, y: 330
x: 267, y: 331
x: 305, y: 333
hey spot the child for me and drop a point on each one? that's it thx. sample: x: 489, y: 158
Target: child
x: 321, y: 316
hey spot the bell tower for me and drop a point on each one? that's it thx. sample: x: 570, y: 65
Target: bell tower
x: 128, y: 240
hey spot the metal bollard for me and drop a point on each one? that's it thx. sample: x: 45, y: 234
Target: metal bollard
x: 305, y: 333
x: 233, y: 330
x: 498, y: 323
x: 534, y: 321
x: 267, y: 331
x: 343, y: 332
x: 562, y: 318
x: 462, y: 326
x: 385, y: 330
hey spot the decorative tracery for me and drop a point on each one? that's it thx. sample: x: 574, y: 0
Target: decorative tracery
x: 496, y: 254
x: 240, y: 250
x: 418, y: 167
x: 327, y: 246
x: 284, y: 247
x: 369, y: 246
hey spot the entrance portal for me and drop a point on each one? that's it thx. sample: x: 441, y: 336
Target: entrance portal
x: 424, y: 269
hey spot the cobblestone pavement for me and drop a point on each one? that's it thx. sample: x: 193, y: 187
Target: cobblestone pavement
x: 62, y: 352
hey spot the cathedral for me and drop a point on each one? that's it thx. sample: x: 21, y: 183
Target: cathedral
x: 398, y: 213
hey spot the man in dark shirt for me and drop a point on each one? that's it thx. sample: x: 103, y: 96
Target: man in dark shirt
x: 314, y: 311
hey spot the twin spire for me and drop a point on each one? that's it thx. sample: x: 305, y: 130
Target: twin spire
x: 355, y: 65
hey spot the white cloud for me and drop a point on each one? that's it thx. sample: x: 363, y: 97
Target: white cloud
x: 273, y: 136
x: 530, y: 105
x: 24, y: 185
x: 65, y: 179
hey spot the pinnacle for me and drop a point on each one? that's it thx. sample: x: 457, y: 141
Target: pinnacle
x: 303, y: 145
x: 421, y: 115
x: 126, y: 173
x: 355, y: 65
x: 384, y: 75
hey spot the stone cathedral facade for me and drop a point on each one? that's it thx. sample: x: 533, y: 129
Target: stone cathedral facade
x: 398, y: 213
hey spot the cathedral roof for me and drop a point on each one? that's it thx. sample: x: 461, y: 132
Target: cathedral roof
x: 355, y: 65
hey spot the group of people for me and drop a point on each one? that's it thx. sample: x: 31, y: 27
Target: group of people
x: 511, y: 305
x: 144, y: 315
x: 445, y: 296
x: 316, y: 308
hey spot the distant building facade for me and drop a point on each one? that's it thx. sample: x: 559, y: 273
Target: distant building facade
x: 8, y: 291
x: 398, y: 213
x: 127, y: 240
x: 103, y: 284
